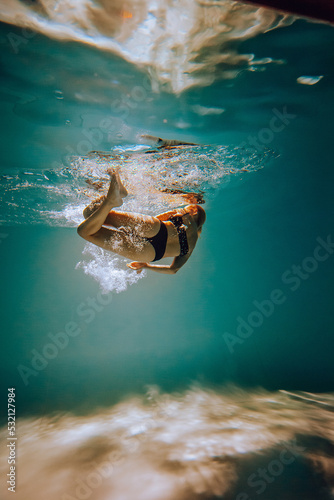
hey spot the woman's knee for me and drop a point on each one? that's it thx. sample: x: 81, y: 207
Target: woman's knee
x: 81, y: 232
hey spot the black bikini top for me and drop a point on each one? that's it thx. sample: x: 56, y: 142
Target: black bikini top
x: 181, y: 231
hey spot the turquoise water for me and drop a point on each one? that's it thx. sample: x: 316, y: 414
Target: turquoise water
x: 152, y: 367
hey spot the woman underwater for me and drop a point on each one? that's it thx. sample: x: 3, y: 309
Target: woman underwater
x: 142, y: 238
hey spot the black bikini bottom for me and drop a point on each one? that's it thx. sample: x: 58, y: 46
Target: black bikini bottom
x: 159, y: 242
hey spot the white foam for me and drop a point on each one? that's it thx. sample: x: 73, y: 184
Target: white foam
x: 156, y: 182
x: 108, y: 269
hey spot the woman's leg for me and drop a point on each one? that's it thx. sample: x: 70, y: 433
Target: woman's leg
x: 123, y: 243
x: 95, y: 221
x: 132, y: 246
x: 145, y: 226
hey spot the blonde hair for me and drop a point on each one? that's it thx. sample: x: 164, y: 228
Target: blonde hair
x: 201, y: 216
x: 198, y: 213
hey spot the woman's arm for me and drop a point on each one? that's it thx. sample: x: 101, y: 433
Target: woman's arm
x: 160, y: 269
x: 177, y: 263
x: 166, y: 215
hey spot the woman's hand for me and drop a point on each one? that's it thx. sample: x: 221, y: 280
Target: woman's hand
x: 137, y: 266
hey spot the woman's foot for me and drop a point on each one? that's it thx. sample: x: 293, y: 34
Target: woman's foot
x: 122, y: 189
x: 114, y: 192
